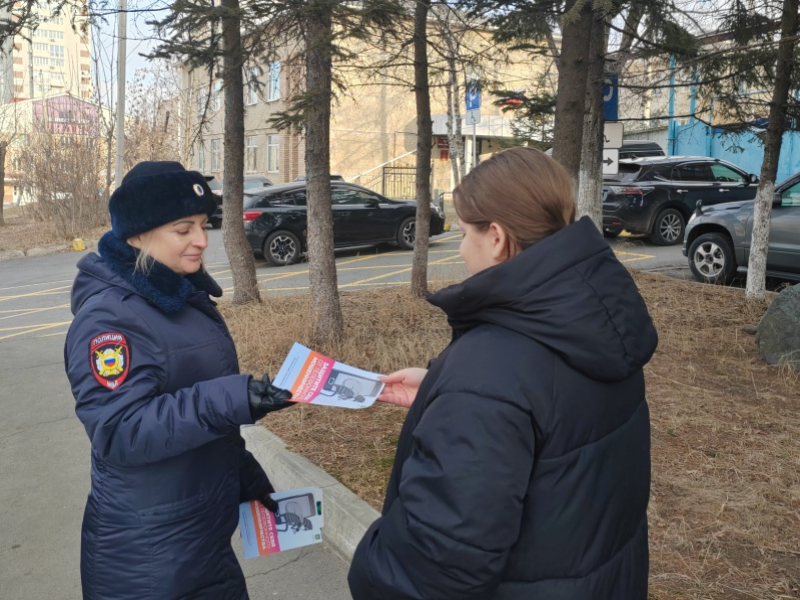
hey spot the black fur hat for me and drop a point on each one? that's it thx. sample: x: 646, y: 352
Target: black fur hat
x: 154, y: 193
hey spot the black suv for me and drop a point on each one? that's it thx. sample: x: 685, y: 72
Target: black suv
x: 658, y: 195
x: 275, y: 220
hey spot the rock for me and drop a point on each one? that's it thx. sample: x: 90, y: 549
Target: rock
x: 750, y: 329
x: 778, y: 335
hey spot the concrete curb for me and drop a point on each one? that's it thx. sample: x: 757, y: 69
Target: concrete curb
x: 43, y: 250
x: 347, y: 517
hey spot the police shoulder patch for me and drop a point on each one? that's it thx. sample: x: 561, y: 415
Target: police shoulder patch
x: 110, y: 357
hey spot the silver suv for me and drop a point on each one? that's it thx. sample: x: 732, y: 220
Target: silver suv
x: 717, y: 240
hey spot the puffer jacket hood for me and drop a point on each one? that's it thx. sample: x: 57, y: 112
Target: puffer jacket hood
x: 567, y: 292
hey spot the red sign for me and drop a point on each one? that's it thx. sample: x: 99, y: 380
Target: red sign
x: 444, y: 154
x: 441, y: 142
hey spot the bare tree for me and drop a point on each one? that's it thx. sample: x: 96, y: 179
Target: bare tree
x: 762, y: 211
x: 419, y: 268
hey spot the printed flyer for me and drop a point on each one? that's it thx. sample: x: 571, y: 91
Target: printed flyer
x: 317, y: 379
x: 297, y: 522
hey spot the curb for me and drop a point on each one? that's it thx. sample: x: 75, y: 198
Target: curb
x: 347, y: 517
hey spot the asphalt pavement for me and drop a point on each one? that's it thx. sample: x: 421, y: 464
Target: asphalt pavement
x: 44, y: 452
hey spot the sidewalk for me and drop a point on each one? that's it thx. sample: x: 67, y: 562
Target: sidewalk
x: 44, y: 468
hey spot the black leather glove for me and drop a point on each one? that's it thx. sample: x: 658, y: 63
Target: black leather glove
x: 269, y: 503
x: 265, y: 397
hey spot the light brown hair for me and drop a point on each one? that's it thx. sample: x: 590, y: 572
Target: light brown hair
x: 521, y: 189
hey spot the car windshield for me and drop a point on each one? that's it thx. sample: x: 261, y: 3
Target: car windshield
x: 214, y: 184
x: 626, y: 174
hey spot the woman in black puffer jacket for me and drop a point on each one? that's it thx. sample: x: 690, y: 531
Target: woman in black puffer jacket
x: 523, y: 468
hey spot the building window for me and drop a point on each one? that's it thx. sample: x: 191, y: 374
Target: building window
x: 274, y: 88
x: 252, y: 87
x: 272, y: 153
x: 215, y: 156
x: 216, y: 96
x: 41, y: 47
x: 49, y: 33
x: 41, y: 60
x: 251, y: 154
x: 57, y: 51
x: 202, y: 98
x: 201, y: 157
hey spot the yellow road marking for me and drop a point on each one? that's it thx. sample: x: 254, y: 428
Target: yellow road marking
x: 35, y: 329
x: 58, y: 290
x: 16, y: 287
x: 21, y: 312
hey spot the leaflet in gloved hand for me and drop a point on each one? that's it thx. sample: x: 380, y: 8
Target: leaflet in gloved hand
x: 317, y: 379
x: 296, y: 523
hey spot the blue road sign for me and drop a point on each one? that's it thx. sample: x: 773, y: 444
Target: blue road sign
x: 611, y: 97
x: 473, y: 95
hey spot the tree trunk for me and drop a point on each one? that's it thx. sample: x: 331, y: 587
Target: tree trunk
x: 326, y: 312
x: 573, y: 67
x: 590, y: 201
x: 3, y: 149
x: 455, y: 142
x: 762, y: 210
x: 243, y: 267
x: 419, y: 269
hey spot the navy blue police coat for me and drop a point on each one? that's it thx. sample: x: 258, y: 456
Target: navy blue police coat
x: 157, y: 387
x: 523, y: 468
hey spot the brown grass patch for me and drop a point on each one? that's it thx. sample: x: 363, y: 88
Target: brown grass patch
x: 725, y: 503
x: 22, y: 232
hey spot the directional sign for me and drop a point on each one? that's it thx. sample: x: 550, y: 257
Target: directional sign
x: 612, y: 135
x: 473, y: 95
x: 610, y: 161
x: 611, y: 97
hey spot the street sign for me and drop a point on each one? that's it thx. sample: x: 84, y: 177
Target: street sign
x: 612, y: 135
x: 473, y: 95
x: 473, y: 98
x: 610, y: 161
x: 611, y: 97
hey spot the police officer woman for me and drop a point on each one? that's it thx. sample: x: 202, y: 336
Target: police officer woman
x: 157, y: 387
x: 523, y: 468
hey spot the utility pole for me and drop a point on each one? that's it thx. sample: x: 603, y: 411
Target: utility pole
x: 122, y: 33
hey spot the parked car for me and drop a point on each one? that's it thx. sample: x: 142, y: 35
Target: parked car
x: 275, y: 220
x: 718, y: 237
x: 657, y: 195
x: 634, y: 149
x: 250, y: 181
x: 333, y: 178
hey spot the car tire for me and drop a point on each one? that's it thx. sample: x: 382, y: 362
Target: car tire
x: 611, y: 235
x: 668, y: 228
x: 711, y: 258
x: 407, y: 233
x: 282, y: 248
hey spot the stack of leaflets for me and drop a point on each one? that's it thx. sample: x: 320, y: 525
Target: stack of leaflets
x: 296, y: 523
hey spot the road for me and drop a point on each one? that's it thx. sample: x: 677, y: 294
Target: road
x: 44, y: 453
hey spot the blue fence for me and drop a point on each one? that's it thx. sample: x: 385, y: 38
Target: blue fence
x: 743, y: 150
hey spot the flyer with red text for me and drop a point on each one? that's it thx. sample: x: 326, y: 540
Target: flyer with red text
x: 296, y: 523
x: 317, y: 379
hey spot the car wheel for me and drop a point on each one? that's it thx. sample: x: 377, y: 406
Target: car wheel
x: 282, y: 248
x: 711, y: 258
x: 668, y: 228
x: 407, y: 233
x: 610, y: 235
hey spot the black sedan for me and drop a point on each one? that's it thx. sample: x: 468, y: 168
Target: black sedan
x: 275, y: 220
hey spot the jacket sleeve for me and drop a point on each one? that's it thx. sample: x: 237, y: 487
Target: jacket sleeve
x: 253, y: 481
x: 459, y: 508
x: 136, y: 423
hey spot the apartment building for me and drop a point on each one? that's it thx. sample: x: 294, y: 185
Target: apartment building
x: 373, y: 122
x: 55, y: 61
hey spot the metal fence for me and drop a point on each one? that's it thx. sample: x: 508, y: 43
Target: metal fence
x: 399, y: 182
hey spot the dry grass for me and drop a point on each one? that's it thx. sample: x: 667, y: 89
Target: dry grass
x: 21, y: 232
x: 725, y: 504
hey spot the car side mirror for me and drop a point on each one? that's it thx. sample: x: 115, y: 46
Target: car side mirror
x: 777, y: 198
x: 751, y: 178
x: 373, y: 203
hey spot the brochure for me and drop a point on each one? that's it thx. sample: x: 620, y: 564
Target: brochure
x: 297, y: 522
x: 317, y: 379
